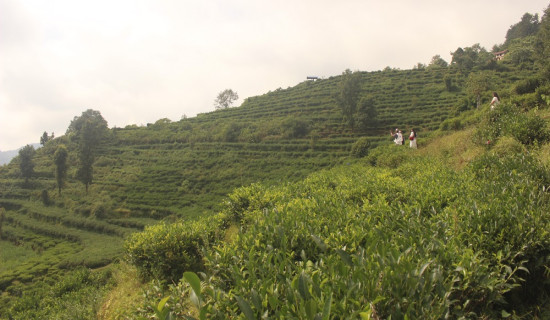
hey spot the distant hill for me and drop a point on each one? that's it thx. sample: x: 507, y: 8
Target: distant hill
x: 6, y: 156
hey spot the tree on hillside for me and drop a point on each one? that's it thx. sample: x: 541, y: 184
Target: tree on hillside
x: 45, y: 138
x: 347, y: 96
x: 2, y: 216
x: 60, y: 159
x: 474, y: 57
x: 477, y: 84
x: 367, y: 115
x: 542, y: 44
x: 437, y: 62
x: 25, y: 162
x: 528, y: 26
x: 521, y: 52
x: 87, y: 131
x: 225, y: 99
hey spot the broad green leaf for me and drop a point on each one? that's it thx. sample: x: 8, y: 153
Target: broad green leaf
x: 194, y: 281
x: 162, y: 303
x: 319, y: 242
x: 345, y: 256
x: 327, y: 307
x: 424, y: 267
x: 245, y: 308
x: 302, y: 286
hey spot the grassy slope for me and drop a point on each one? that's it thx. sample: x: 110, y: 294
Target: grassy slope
x: 432, y: 212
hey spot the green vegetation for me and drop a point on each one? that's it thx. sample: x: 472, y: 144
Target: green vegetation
x: 26, y: 163
x: 295, y: 206
x: 361, y: 240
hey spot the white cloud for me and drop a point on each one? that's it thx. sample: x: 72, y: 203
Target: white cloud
x: 139, y: 61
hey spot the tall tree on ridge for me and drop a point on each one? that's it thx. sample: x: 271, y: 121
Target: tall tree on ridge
x: 542, y: 44
x: 60, y: 159
x: 225, y: 99
x: 25, y: 162
x: 87, y: 131
x: 477, y: 84
x: 347, y: 96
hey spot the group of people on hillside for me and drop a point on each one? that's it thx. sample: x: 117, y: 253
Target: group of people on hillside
x: 398, y: 139
x: 397, y: 135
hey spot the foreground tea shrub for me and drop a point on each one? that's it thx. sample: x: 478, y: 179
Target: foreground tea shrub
x: 421, y: 241
x: 165, y: 251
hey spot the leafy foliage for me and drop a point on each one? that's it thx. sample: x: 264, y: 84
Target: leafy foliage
x: 507, y: 119
x: 87, y: 130
x: 529, y: 25
x: 166, y: 251
x: 360, y: 148
x: 361, y: 240
x: 60, y: 159
x: 26, y: 163
x: 225, y: 99
x: 348, y: 95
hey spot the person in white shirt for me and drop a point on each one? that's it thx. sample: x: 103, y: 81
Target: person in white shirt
x: 397, y: 136
x: 495, y: 101
x: 412, y: 138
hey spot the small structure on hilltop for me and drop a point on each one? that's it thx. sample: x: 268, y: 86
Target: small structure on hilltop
x: 500, y: 55
x: 312, y: 78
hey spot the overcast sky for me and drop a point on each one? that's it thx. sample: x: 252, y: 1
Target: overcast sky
x: 138, y: 61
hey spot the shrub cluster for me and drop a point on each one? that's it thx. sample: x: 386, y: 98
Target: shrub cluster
x: 508, y: 120
x: 419, y: 241
x: 360, y: 148
x: 165, y: 251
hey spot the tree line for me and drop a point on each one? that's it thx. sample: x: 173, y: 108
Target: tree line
x: 86, y: 132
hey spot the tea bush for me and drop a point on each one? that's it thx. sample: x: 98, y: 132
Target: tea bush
x: 165, y: 251
x: 419, y: 241
x: 360, y: 148
x: 529, y: 129
x: 507, y: 119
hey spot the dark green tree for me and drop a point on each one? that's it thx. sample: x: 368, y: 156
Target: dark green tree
x: 367, y: 115
x: 437, y: 62
x: 26, y: 163
x: 528, y: 26
x: 521, y: 52
x: 347, y: 96
x: 476, y: 85
x: 87, y: 131
x: 474, y: 57
x: 542, y: 44
x: 60, y: 159
x: 2, y: 216
x: 225, y: 99
x: 45, y: 138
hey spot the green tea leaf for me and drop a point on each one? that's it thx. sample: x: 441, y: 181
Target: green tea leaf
x: 245, y: 308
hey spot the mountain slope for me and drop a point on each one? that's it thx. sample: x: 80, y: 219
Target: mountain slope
x: 174, y: 170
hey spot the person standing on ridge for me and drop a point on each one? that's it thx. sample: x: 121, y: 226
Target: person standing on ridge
x: 412, y: 138
x: 495, y: 101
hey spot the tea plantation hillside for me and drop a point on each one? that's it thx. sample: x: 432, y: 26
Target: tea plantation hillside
x: 163, y: 197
